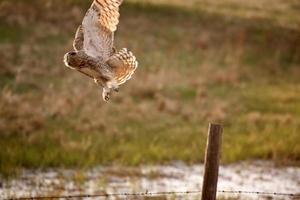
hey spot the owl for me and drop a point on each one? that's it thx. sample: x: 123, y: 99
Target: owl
x: 94, y: 54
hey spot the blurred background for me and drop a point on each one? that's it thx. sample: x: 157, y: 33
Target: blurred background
x: 233, y: 62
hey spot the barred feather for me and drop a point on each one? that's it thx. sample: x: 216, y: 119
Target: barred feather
x: 98, y: 26
x: 123, y: 65
x: 109, y: 13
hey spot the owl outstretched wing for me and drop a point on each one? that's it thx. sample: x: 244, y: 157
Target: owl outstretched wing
x: 99, y: 25
x: 95, y: 37
x: 123, y: 64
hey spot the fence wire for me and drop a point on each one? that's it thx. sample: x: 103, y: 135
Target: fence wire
x: 291, y: 195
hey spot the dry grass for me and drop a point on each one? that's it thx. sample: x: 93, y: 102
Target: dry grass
x: 195, y: 67
x: 277, y: 12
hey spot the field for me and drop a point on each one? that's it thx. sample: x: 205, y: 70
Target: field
x: 234, y: 63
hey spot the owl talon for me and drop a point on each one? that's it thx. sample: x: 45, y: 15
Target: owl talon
x: 106, y: 98
x: 106, y: 94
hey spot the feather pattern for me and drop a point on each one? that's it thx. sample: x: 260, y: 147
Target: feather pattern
x: 99, y: 25
x: 109, y: 10
x: 95, y: 55
x: 123, y: 65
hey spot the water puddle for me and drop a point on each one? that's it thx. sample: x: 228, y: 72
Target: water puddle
x: 255, y: 176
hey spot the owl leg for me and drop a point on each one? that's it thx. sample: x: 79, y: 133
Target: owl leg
x: 106, y: 93
x: 79, y: 38
x: 112, y: 84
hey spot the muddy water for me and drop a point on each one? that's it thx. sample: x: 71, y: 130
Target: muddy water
x: 248, y: 176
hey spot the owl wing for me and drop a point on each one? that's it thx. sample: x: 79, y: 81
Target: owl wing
x: 123, y: 64
x: 99, y: 25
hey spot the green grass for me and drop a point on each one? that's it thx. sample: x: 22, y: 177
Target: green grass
x: 195, y: 68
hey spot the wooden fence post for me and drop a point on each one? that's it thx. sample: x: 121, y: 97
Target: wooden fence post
x: 211, y: 164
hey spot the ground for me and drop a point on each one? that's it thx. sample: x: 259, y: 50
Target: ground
x: 234, y: 63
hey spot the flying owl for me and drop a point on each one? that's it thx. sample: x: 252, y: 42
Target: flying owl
x: 95, y: 55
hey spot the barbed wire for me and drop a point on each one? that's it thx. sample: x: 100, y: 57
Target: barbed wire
x: 147, y: 193
x: 108, y: 195
x: 260, y: 193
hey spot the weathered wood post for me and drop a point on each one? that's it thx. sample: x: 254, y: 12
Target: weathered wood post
x: 211, y: 164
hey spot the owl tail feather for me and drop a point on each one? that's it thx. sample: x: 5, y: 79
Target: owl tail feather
x: 123, y: 64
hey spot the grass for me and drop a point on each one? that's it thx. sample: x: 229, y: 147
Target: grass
x: 218, y: 65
